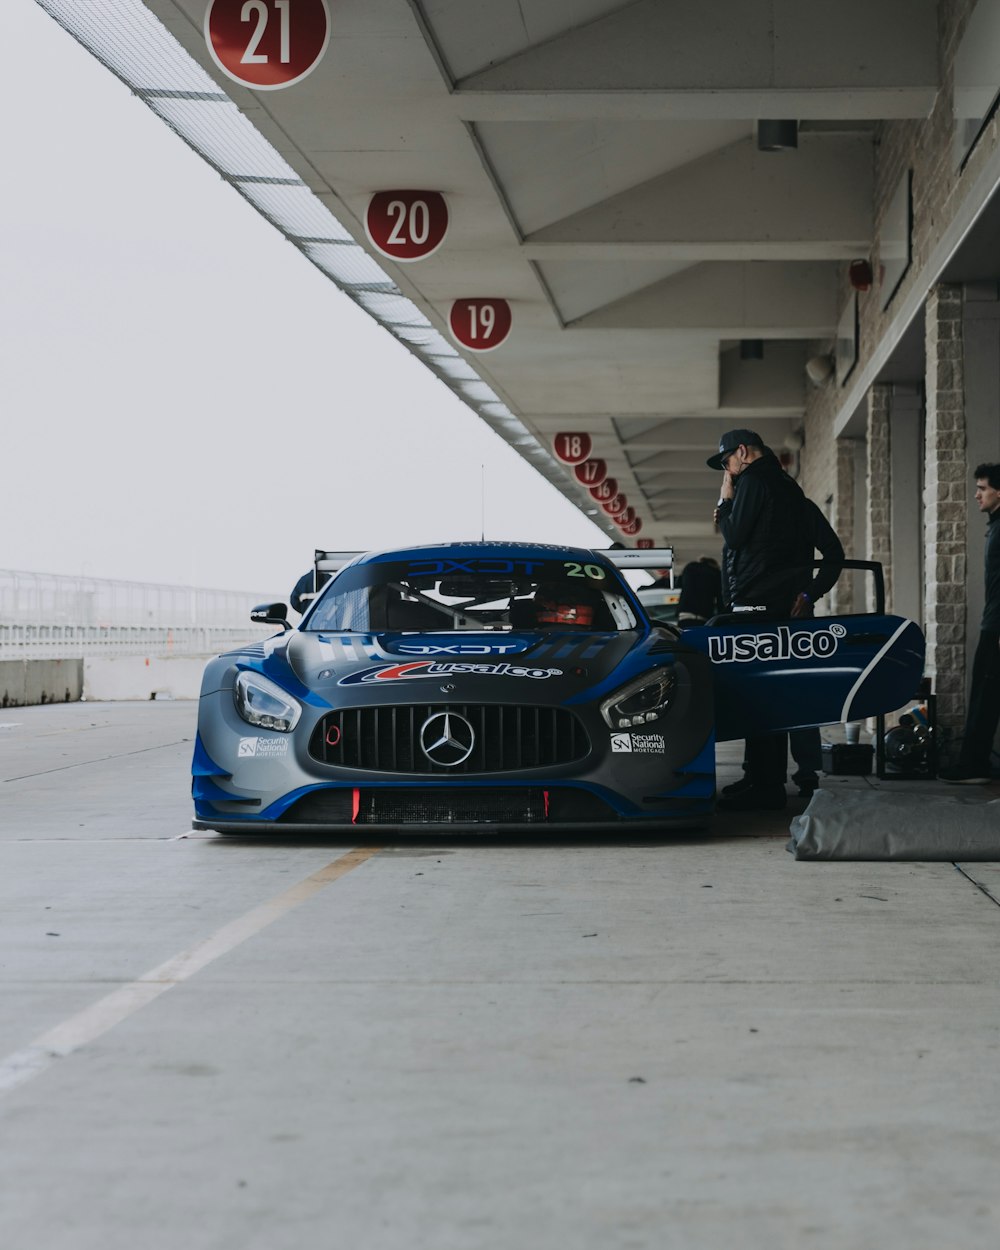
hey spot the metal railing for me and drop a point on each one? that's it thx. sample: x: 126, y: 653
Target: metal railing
x: 53, y: 616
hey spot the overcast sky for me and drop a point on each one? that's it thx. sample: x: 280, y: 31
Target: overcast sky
x: 186, y: 399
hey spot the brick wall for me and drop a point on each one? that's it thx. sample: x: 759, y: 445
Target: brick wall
x: 927, y: 147
x: 946, y: 506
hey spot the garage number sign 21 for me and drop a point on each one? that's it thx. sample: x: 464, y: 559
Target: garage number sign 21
x: 267, y: 44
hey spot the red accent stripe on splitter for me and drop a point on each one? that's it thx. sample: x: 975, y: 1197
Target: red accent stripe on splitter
x: 355, y: 805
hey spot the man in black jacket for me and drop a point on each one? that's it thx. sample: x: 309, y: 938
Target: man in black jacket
x: 766, y: 528
x: 975, y: 765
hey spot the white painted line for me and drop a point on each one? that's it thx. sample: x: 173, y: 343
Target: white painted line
x: 845, y: 713
x: 94, y: 1021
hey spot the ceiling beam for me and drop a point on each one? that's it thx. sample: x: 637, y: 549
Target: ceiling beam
x: 726, y: 59
x: 737, y: 204
x: 738, y: 299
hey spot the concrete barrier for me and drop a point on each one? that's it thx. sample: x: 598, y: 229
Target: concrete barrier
x: 24, y: 682
x: 139, y: 677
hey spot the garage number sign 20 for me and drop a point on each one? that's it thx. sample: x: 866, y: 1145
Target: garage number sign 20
x: 406, y: 225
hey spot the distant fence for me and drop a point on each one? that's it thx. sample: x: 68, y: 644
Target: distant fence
x: 51, y: 616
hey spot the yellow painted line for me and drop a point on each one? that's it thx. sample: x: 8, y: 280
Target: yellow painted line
x: 94, y: 1021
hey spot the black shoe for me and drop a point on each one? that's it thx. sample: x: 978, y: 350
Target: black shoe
x: 807, y: 786
x: 962, y: 776
x: 737, y: 787
x: 755, y: 799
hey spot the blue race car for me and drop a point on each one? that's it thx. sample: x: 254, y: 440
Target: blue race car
x: 503, y: 686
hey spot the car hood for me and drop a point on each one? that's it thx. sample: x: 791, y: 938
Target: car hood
x: 517, y: 667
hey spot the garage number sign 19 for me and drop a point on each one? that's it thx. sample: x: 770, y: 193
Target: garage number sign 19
x: 267, y: 44
x: 406, y: 225
x: 480, y: 324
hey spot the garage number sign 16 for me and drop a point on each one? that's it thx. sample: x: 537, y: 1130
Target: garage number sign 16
x: 267, y: 44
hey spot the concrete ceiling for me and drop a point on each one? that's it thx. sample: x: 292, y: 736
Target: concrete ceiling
x: 601, y: 170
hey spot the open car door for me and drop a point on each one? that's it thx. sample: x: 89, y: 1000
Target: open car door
x: 788, y: 674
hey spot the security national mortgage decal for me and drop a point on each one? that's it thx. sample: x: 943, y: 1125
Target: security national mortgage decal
x: 638, y: 744
x: 262, y: 748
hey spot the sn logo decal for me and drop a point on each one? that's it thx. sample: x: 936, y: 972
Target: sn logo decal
x: 782, y: 644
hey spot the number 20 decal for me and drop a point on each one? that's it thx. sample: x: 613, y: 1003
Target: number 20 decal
x: 593, y: 571
x: 480, y: 324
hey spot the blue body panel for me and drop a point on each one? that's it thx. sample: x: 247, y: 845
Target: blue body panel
x: 776, y: 675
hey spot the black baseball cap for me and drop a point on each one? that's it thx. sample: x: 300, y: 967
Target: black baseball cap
x: 728, y: 444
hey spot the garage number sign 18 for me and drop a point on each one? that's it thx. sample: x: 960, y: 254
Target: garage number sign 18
x: 406, y: 225
x: 480, y: 324
x: 572, y: 448
x: 267, y: 44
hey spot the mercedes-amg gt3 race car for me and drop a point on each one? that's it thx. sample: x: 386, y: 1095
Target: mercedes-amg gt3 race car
x: 502, y: 686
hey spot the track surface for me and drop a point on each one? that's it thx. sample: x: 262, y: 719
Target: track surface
x: 471, y: 1044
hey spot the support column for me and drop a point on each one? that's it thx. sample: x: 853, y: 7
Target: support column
x: 878, y: 539
x: 945, y: 504
x: 906, y: 509
x: 840, y: 512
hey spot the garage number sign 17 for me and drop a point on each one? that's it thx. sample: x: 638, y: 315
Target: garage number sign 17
x: 267, y: 44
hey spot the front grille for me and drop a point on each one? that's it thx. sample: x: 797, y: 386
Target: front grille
x: 506, y: 738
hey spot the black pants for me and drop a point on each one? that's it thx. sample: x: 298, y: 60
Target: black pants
x: 767, y: 755
x: 767, y: 759
x: 984, y: 705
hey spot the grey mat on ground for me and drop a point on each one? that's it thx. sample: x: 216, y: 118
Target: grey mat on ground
x: 880, y: 824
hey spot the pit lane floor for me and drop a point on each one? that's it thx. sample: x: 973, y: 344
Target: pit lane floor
x: 693, y: 1042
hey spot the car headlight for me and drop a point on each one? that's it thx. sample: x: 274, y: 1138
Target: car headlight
x: 261, y: 702
x: 641, y: 700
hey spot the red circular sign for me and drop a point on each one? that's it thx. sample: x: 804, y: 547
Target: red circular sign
x: 572, y: 448
x: 626, y: 517
x: 591, y: 472
x: 644, y: 544
x: 634, y: 528
x: 267, y: 44
x: 406, y: 225
x: 607, y: 490
x: 480, y: 324
x: 615, y: 505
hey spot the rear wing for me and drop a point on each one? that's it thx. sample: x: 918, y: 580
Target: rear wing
x: 625, y: 558
x: 331, y: 561
x: 647, y: 558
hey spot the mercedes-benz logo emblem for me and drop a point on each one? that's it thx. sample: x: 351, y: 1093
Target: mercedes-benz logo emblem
x: 447, y: 739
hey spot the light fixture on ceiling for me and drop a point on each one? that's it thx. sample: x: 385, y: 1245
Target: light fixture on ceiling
x: 859, y: 274
x: 819, y: 369
x: 777, y: 136
x: 751, y: 349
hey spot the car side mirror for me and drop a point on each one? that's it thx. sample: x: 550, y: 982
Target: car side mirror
x: 271, y: 614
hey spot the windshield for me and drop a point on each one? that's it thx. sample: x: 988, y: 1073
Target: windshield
x: 473, y: 594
